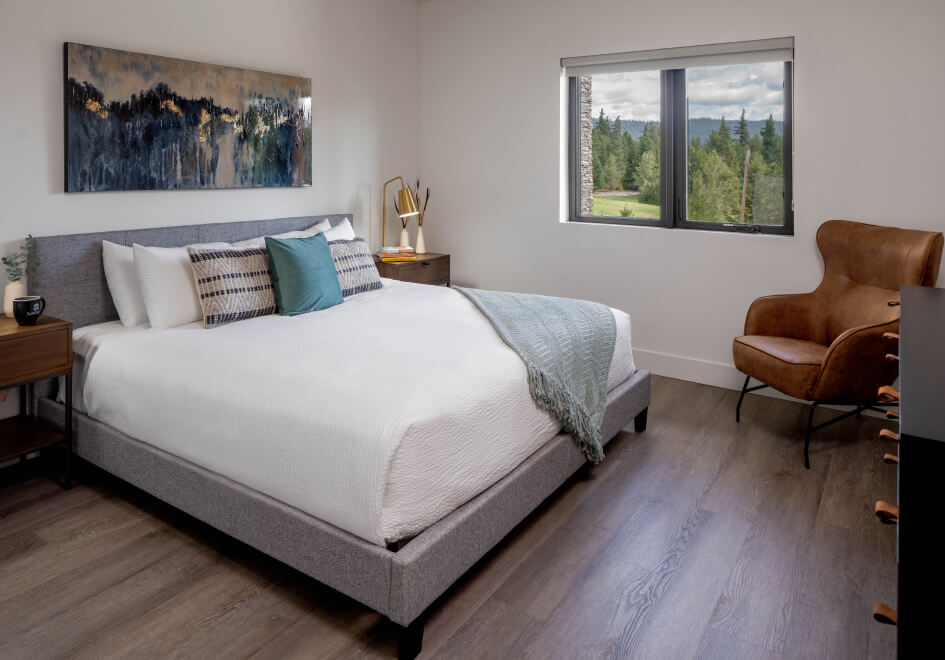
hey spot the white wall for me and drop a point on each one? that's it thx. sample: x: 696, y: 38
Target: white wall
x: 364, y: 104
x: 868, y: 144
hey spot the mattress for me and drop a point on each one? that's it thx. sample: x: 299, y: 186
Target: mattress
x: 379, y: 416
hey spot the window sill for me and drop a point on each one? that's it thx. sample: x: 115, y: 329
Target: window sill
x: 716, y: 228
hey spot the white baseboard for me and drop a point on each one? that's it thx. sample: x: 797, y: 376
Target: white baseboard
x: 707, y: 372
x: 692, y: 369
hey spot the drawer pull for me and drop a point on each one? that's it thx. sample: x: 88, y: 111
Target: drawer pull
x: 886, y: 512
x: 891, y: 335
x: 890, y: 459
x: 892, y: 303
x: 884, y: 614
x: 891, y: 357
x: 889, y: 436
x: 888, y: 394
x: 892, y: 414
x: 426, y: 263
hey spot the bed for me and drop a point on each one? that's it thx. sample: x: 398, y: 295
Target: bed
x: 331, y: 472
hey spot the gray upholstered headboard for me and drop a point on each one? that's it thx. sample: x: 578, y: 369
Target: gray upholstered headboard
x: 71, y: 278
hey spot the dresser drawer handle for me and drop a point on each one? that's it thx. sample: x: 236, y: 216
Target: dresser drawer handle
x: 890, y: 459
x: 892, y: 414
x: 884, y: 614
x: 888, y: 394
x: 892, y: 357
x: 889, y: 436
x: 886, y: 512
x: 426, y: 263
x: 894, y: 336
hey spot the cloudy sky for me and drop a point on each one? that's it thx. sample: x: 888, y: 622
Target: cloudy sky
x: 716, y: 91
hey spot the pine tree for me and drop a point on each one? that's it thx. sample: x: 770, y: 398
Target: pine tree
x: 742, y: 131
x: 603, y: 124
x: 769, y: 142
x: 720, y: 141
x: 650, y: 139
x: 612, y: 175
x: 632, y: 162
x: 715, y: 192
x: 648, y: 176
x: 617, y: 128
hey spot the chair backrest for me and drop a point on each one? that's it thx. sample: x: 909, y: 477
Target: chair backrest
x: 864, y: 267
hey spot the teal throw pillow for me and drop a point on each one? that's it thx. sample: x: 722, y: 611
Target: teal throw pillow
x: 303, y: 274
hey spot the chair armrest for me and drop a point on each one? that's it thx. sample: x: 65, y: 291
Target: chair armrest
x: 855, y: 365
x: 788, y: 316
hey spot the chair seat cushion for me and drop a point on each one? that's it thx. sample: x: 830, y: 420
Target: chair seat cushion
x: 788, y: 365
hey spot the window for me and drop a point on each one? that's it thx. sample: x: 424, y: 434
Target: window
x: 696, y: 138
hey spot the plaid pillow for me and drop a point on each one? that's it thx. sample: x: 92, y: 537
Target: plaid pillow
x: 355, y: 265
x: 232, y: 283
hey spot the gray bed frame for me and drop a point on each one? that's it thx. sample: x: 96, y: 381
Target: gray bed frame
x: 400, y: 581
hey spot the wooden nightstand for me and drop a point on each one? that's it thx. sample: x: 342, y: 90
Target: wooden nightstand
x: 28, y: 354
x: 430, y: 268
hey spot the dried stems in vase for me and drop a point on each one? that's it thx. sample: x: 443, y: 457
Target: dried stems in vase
x: 423, y: 209
x: 426, y: 201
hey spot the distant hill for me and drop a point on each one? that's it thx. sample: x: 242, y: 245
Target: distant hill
x: 699, y: 127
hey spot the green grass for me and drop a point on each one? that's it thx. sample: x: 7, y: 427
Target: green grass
x: 610, y: 205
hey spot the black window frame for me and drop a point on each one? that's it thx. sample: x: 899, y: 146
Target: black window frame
x: 674, y: 161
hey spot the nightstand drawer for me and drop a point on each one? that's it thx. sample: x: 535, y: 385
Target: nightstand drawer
x: 22, y: 357
x: 426, y: 271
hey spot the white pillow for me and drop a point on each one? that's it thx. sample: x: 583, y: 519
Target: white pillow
x: 260, y: 241
x: 343, y: 231
x: 167, y: 286
x: 119, y: 262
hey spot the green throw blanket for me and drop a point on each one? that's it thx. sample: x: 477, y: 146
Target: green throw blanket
x: 567, y: 346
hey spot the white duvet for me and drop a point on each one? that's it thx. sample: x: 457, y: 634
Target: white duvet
x: 379, y: 416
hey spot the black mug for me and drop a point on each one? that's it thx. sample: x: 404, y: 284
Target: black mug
x: 27, y: 309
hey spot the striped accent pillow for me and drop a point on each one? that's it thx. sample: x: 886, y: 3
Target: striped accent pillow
x: 232, y: 283
x: 355, y: 265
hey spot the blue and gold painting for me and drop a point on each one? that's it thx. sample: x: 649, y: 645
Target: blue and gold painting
x: 144, y: 122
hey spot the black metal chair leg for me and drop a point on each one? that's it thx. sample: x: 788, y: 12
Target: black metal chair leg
x: 810, y: 423
x: 741, y: 397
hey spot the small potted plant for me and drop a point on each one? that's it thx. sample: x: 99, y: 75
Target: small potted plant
x: 17, y: 264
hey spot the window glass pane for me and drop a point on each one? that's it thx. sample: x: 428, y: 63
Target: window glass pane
x: 735, y: 126
x: 620, y: 145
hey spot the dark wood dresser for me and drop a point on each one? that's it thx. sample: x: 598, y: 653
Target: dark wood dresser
x: 921, y: 470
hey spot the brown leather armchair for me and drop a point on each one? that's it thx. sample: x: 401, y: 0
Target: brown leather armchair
x: 827, y: 346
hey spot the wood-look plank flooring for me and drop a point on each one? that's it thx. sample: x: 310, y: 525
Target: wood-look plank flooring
x: 700, y: 538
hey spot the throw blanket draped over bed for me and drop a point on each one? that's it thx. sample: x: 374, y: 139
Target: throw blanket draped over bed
x: 566, y: 345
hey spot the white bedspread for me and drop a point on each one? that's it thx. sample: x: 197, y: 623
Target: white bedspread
x: 379, y: 416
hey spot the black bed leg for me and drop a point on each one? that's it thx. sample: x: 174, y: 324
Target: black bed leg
x: 639, y: 422
x: 410, y: 639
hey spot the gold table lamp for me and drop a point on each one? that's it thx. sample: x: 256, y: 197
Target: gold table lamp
x: 405, y: 203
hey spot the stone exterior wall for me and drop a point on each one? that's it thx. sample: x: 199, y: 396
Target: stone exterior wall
x: 587, y: 162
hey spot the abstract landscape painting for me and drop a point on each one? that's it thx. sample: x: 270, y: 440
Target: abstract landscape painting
x: 143, y: 122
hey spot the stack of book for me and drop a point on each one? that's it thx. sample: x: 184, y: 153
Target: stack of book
x: 398, y: 253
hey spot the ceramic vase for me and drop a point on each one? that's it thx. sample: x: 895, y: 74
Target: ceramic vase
x: 404, y: 237
x: 11, y: 291
x: 421, y: 244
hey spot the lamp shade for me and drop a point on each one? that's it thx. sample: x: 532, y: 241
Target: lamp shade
x: 405, y: 203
